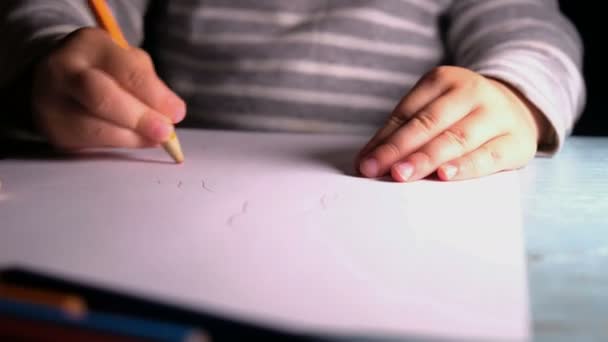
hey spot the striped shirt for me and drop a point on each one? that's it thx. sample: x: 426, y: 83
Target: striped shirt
x: 336, y: 66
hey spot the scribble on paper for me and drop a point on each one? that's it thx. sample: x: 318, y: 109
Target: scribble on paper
x: 322, y: 204
x: 205, y: 186
x: 325, y: 200
x: 243, y: 211
x: 231, y: 219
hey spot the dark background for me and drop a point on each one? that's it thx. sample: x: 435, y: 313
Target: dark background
x: 584, y: 15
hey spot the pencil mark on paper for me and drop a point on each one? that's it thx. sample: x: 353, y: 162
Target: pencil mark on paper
x: 243, y: 211
x: 230, y: 221
x: 324, y: 201
x: 205, y: 186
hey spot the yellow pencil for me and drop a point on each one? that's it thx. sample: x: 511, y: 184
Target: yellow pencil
x: 71, y: 304
x: 107, y: 22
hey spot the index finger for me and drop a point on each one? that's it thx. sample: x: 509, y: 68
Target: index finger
x: 135, y: 73
x: 131, y: 67
x: 419, y: 130
x: 428, y: 89
x: 102, y: 97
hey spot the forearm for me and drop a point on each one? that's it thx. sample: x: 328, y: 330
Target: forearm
x: 530, y: 46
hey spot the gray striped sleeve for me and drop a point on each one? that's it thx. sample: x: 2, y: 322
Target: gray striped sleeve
x: 529, y: 44
x: 28, y: 26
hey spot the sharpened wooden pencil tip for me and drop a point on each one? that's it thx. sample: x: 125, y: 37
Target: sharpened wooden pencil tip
x: 173, y: 147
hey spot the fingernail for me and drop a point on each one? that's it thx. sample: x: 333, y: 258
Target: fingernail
x: 180, y: 112
x: 161, y: 130
x: 405, y: 170
x: 369, y: 168
x: 449, y: 171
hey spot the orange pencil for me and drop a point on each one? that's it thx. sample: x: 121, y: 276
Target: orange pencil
x: 106, y: 20
x: 70, y: 304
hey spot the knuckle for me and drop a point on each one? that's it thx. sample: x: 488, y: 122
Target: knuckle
x: 100, y: 103
x: 485, y: 160
x: 474, y: 83
x: 458, y: 136
x: 60, y: 63
x: 85, y: 83
x: 83, y: 80
x: 439, y: 74
x: 80, y: 81
x: 68, y: 55
x: 86, y: 34
x: 492, y: 154
x: 390, y: 148
x: 82, y: 38
x: 142, y: 57
x: 480, y: 86
x: 396, y: 120
x: 424, y: 158
x: 136, y: 78
x: 426, y: 121
x: 403, y: 110
x: 65, y: 63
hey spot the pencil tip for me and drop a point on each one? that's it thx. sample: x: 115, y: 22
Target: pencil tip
x: 172, y: 146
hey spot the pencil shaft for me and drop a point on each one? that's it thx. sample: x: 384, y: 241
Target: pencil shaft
x: 69, y: 303
x: 106, y: 20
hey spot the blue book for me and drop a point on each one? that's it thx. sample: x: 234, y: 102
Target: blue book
x: 104, y: 322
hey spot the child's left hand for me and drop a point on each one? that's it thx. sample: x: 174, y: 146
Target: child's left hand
x: 458, y: 123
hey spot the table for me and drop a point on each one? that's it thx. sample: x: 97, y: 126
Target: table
x: 565, y: 200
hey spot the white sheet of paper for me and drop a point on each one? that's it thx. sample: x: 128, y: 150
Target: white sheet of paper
x: 275, y: 229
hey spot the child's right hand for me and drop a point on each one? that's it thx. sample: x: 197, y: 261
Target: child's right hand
x: 89, y: 92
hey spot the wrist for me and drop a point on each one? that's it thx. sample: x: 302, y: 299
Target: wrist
x: 538, y: 120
